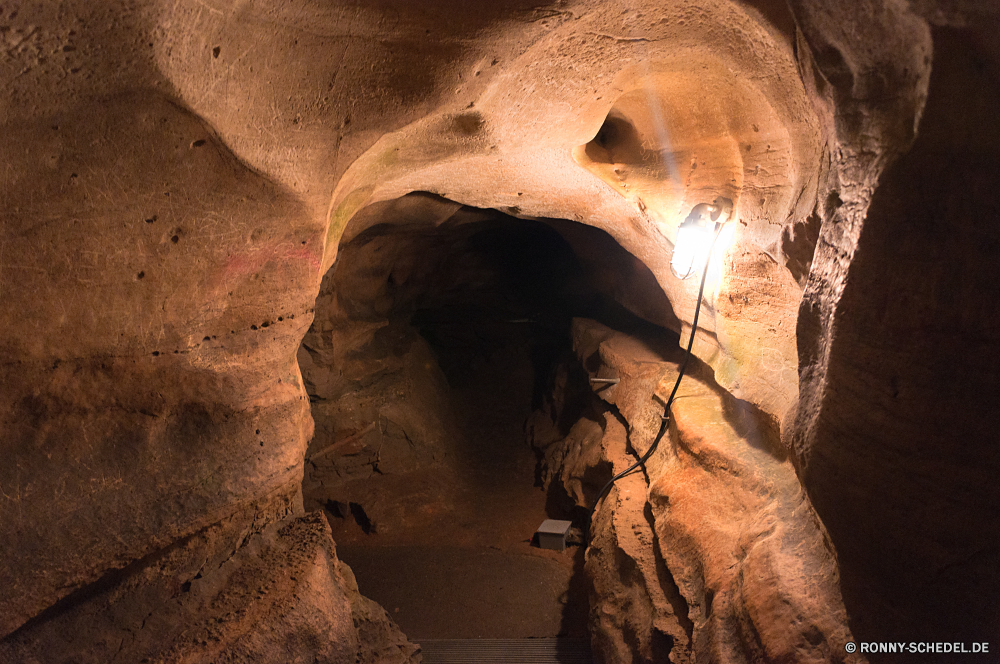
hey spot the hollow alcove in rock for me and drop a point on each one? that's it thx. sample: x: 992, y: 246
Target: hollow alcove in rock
x: 436, y: 335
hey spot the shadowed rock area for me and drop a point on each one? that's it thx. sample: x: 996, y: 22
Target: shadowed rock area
x: 436, y: 332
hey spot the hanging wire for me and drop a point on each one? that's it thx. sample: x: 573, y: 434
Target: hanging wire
x: 665, y: 420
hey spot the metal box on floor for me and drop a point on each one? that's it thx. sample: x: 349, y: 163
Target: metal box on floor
x: 552, y: 534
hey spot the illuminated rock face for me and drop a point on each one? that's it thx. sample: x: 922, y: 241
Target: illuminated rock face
x: 718, y: 554
x: 666, y: 120
x: 178, y: 179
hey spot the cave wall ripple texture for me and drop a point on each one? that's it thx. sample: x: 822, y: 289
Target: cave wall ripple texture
x: 176, y: 177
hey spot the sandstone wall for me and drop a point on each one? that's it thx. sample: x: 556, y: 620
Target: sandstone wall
x: 712, y: 552
x: 903, y: 420
x: 178, y: 176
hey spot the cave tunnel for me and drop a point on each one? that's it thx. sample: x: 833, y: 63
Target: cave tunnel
x: 312, y: 312
x: 439, y: 333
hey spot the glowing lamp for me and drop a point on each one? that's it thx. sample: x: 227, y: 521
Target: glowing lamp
x: 695, y: 239
x: 696, y: 236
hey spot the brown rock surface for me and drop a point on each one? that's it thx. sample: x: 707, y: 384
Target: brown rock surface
x: 178, y: 175
x: 901, y: 452
x: 727, y: 560
x: 150, y: 390
x: 744, y: 118
x: 282, y: 597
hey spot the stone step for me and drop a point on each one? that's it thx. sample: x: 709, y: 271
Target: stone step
x: 505, y: 651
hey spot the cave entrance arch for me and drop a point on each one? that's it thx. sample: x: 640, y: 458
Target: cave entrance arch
x: 437, y: 333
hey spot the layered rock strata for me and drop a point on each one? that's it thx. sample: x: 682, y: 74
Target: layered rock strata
x: 169, y: 170
x: 713, y: 549
x: 282, y: 596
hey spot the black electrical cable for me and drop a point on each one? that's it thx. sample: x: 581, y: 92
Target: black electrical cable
x: 680, y: 374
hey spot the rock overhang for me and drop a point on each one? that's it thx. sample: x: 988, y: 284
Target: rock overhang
x: 702, y: 101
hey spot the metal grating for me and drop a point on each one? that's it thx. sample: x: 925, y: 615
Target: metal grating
x: 505, y: 651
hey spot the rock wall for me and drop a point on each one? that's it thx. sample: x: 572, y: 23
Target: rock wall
x: 282, y: 596
x: 902, y: 428
x: 179, y: 176
x: 712, y: 551
x: 743, y: 124
x: 150, y: 386
x: 155, y: 286
x: 154, y: 417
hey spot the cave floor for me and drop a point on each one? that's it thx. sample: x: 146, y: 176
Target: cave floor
x: 457, y: 562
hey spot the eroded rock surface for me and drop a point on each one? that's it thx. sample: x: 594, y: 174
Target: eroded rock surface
x: 713, y: 550
x: 179, y: 175
x: 150, y: 388
x: 902, y: 430
x: 283, y: 596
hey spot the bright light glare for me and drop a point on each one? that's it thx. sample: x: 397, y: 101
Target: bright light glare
x: 691, y: 252
x: 693, y: 247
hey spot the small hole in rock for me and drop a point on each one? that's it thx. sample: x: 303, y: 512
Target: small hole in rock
x: 140, y: 275
x: 216, y: 51
x: 175, y: 239
x: 197, y: 144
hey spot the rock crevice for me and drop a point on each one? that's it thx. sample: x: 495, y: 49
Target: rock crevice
x: 721, y: 517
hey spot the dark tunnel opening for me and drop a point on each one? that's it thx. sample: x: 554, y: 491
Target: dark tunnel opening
x: 431, y: 348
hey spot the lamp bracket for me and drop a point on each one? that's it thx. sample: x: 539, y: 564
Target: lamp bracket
x: 718, y: 211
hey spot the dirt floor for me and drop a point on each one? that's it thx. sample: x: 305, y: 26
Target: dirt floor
x: 457, y: 561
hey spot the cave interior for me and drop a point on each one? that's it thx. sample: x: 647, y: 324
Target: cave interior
x: 314, y: 311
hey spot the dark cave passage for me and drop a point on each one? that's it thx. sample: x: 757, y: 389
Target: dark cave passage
x: 431, y: 348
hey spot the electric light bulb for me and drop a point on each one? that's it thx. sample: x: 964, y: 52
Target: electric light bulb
x: 696, y: 235
x: 691, y: 251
